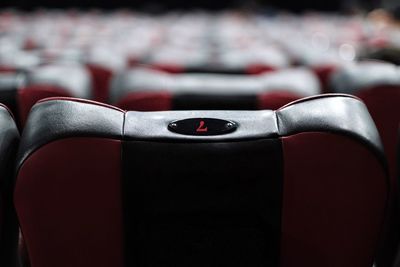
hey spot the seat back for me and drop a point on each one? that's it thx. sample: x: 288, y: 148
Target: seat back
x: 305, y: 185
x: 228, y: 60
x: 378, y: 85
x: 149, y: 90
x: 53, y: 80
x: 9, y: 138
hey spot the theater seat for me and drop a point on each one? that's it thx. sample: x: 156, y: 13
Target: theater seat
x: 150, y: 90
x: 10, y: 81
x: 9, y: 138
x: 378, y: 85
x: 24, y: 89
x: 228, y: 60
x: 305, y: 185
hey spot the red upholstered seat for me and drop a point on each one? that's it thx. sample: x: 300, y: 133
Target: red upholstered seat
x: 9, y: 138
x: 150, y: 90
x: 302, y: 186
x: 378, y: 85
x: 22, y: 89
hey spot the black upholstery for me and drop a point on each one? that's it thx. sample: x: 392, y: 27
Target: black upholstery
x: 212, y: 217
x: 9, y: 138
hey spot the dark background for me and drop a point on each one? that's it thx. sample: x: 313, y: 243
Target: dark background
x: 154, y: 5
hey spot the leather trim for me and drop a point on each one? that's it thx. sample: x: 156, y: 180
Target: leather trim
x: 80, y: 100
x: 9, y: 138
x: 57, y: 119
x: 331, y: 113
x: 8, y: 128
x: 9, y: 110
x: 154, y: 125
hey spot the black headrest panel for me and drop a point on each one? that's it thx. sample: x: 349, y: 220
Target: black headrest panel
x: 343, y: 114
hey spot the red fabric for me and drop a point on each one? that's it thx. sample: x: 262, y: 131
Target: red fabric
x: 101, y: 78
x: 334, y: 199
x: 68, y: 201
x: 384, y: 106
x: 259, y: 69
x: 170, y: 68
x: 30, y: 45
x: 28, y: 96
x: 275, y: 100
x: 324, y: 73
x: 383, y: 103
x: 146, y: 101
x: 133, y: 61
x: 6, y: 69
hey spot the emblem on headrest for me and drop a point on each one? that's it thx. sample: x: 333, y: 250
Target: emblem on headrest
x: 202, y: 126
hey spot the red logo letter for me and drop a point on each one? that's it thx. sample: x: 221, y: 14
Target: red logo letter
x: 201, y: 127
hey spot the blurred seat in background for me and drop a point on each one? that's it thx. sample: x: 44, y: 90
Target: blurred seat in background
x: 22, y: 89
x: 150, y: 90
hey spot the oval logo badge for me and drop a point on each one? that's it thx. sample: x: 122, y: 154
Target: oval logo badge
x: 202, y: 126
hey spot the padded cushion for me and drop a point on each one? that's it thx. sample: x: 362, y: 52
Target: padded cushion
x: 9, y: 138
x: 283, y: 189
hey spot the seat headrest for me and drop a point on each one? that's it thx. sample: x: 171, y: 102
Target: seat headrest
x: 351, y: 78
x: 71, y: 77
x: 299, y: 81
x: 55, y: 119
